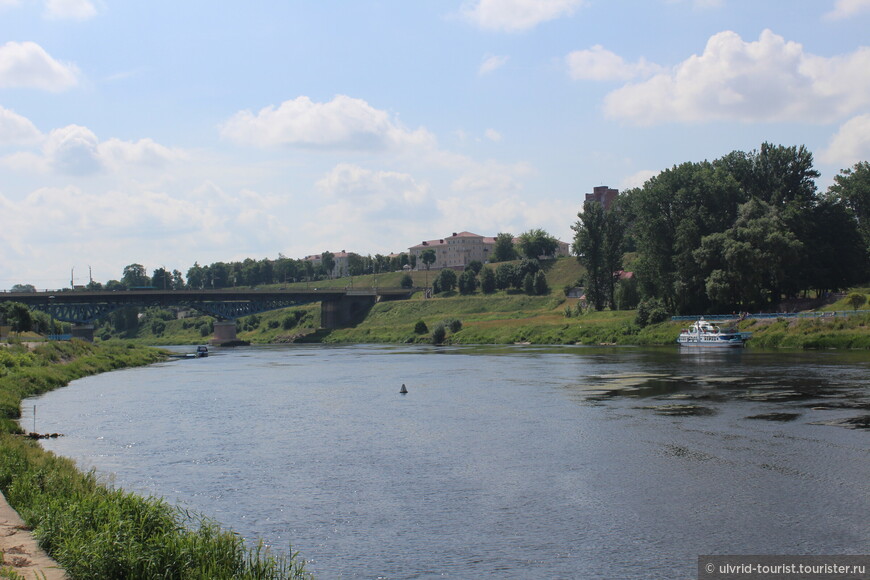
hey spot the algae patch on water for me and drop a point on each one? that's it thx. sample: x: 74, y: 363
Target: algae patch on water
x: 679, y: 410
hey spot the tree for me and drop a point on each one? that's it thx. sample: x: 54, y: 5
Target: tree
x: 17, y: 316
x: 487, y: 281
x: 669, y: 215
x: 504, y: 250
x: 541, y: 286
x: 475, y: 266
x: 748, y: 262
x: 446, y: 280
x: 467, y: 282
x: 196, y: 276
x: 327, y: 260
x: 589, y: 247
x: 536, y: 243
x: 135, y: 276
x: 23, y: 288
x: 161, y: 279
x: 355, y: 264
x: 851, y: 188
x: 506, y: 276
x: 428, y: 257
x: 834, y: 256
x: 177, y: 280
x: 407, y: 281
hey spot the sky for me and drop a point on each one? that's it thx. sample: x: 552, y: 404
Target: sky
x: 165, y: 133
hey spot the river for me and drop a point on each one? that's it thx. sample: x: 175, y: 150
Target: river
x: 500, y: 462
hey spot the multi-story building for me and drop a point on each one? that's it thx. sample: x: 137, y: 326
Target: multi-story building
x: 603, y: 195
x: 341, y: 267
x: 460, y: 249
x: 457, y: 251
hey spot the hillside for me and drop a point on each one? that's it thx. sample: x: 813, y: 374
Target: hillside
x: 504, y: 317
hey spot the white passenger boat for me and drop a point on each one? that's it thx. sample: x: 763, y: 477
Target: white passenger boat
x: 702, y: 334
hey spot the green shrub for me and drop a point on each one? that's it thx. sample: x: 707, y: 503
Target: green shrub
x: 439, y: 333
x: 420, y: 327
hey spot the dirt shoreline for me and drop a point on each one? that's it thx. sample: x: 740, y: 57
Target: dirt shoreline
x: 20, y: 551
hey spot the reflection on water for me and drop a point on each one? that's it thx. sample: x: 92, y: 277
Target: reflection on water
x: 500, y: 462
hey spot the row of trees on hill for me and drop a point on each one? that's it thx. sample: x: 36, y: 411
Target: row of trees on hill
x: 739, y: 233
x: 525, y: 275
x: 250, y: 272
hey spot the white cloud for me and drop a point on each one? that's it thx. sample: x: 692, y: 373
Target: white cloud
x: 69, y: 9
x: 343, y: 123
x: 637, y: 179
x: 851, y: 143
x: 847, y: 9
x: 493, y: 135
x: 114, y: 227
x: 488, y: 215
x: 700, y: 4
x: 490, y: 177
x: 764, y: 81
x: 600, y: 64
x: 15, y: 129
x: 491, y: 63
x: 28, y: 65
x: 379, y: 189
x: 76, y: 150
x: 72, y: 150
x: 517, y: 15
x: 117, y: 154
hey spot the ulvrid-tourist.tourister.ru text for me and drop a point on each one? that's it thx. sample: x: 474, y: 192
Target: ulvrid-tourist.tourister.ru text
x: 789, y: 569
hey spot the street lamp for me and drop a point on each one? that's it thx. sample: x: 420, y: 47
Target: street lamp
x: 51, y: 316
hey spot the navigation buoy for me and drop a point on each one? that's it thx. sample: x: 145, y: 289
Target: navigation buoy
x: 403, y: 391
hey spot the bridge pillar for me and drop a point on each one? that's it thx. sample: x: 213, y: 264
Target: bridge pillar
x: 344, y: 311
x: 83, y: 331
x: 224, y: 331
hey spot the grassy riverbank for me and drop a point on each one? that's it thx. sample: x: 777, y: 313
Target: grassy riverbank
x: 92, y: 530
x: 503, y: 317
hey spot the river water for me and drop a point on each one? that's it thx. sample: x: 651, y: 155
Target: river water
x: 500, y: 462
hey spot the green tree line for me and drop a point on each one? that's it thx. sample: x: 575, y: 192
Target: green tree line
x: 741, y: 232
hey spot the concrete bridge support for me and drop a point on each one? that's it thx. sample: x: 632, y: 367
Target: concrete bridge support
x: 224, y: 332
x: 83, y: 331
x: 345, y: 310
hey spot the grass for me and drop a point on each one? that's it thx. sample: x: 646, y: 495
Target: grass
x: 95, y: 531
x: 500, y: 318
x: 852, y: 332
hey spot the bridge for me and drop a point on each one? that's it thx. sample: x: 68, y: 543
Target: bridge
x: 82, y: 308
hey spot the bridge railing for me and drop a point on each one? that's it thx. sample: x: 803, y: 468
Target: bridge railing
x: 771, y: 315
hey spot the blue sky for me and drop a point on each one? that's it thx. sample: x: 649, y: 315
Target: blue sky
x: 164, y: 133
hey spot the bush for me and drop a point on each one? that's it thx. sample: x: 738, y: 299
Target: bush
x: 439, y: 333
x: 856, y: 300
x: 454, y: 324
x: 407, y: 281
x: 651, y: 311
x: 420, y: 327
x: 541, y: 287
x: 529, y: 284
